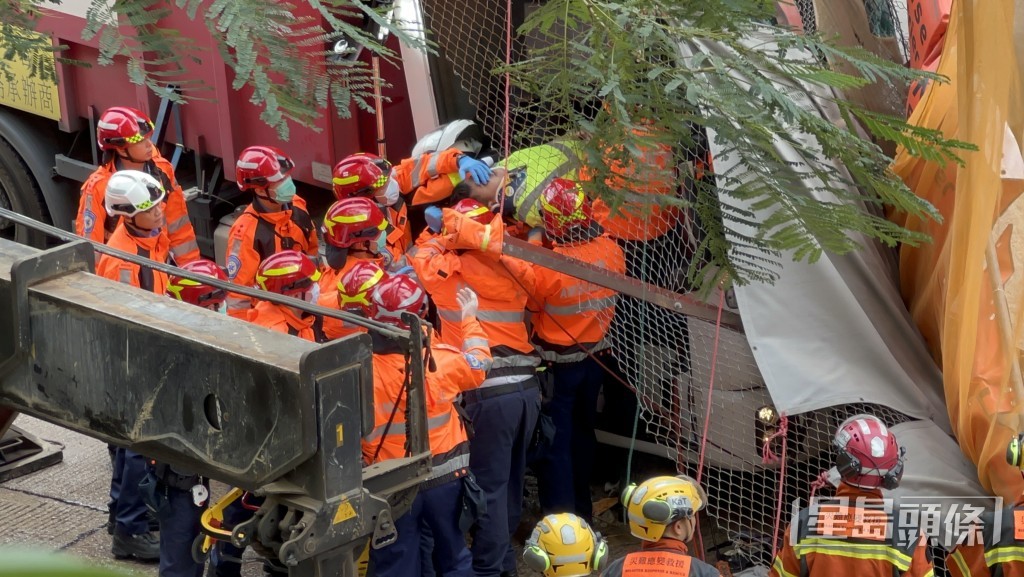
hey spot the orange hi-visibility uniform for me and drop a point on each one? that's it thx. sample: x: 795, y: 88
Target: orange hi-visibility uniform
x: 283, y: 319
x: 156, y: 247
x: 640, y: 217
x: 573, y: 315
x: 847, y: 538
x: 455, y: 371
x: 256, y: 235
x: 987, y: 554
x: 93, y: 222
x: 430, y: 177
x: 469, y: 254
x: 335, y: 328
x: 664, y: 558
x: 400, y: 236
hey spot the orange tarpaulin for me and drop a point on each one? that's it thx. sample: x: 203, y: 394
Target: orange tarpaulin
x: 972, y: 329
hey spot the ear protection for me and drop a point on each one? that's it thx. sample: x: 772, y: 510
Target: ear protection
x: 665, y: 511
x: 1015, y: 452
x: 537, y: 558
x: 849, y: 465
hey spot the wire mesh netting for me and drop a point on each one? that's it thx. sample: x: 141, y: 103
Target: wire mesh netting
x: 719, y: 433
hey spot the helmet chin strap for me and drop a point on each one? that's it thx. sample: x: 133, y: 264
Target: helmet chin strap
x: 123, y: 153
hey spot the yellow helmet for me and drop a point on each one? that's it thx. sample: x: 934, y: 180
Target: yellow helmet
x: 563, y: 545
x: 657, y: 503
x: 1015, y: 451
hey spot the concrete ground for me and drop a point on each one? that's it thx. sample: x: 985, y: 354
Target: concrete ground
x: 64, y: 507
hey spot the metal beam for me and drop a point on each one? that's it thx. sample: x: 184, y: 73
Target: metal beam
x: 680, y: 303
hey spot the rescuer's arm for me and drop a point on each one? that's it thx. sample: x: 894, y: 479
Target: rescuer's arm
x: 785, y: 564
x: 91, y: 213
x: 241, y: 261
x: 432, y: 261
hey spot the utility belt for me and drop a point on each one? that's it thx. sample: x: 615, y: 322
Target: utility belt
x: 484, y: 393
x: 174, y: 479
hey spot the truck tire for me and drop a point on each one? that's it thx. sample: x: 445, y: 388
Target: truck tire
x: 19, y: 192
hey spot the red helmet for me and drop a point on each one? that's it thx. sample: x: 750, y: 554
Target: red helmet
x: 869, y: 456
x: 259, y: 166
x: 353, y: 220
x: 474, y: 210
x: 120, y: 126
x: 288, y: 273
x: 357, y: 285
x: 564, y: 207
x: 398, y: 294
x: 194, y: 292
x: 360, y: 175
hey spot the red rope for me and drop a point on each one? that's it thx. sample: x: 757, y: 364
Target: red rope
x: 711, y: 386
x: 507, y: 137
x: 707, y: 414
x: 783, y: 428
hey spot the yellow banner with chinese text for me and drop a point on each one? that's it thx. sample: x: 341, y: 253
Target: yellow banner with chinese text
x: 19, y: 88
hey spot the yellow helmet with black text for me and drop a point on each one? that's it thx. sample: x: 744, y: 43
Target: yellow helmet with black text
x: 658, y: 502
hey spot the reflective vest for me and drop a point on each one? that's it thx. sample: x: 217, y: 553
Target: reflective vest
x: 280, y: 318
x: 443, y: 264
x: 846, y: 538
x: 640, y: 217
x: 665, y: 558
x: 93, y: 223
x: 573, y: 315
x: 991, y: 554
x: 156, y: 248
x: 255, y: 235
x: 454, y: 371
x: 542, y: 164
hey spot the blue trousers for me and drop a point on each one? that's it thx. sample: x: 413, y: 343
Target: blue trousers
x: 437, y: 508
x: 503, y: 427
x: 564, y: 475
x: 130, y: 512
x: 179, y: 526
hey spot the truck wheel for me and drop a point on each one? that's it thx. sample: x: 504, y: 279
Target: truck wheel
x: 19, y: 192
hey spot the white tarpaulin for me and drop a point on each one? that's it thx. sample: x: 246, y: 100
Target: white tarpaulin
x: 837, y: 332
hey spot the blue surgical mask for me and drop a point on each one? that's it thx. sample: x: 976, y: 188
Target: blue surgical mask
x: 381, y: 244
x: 285, y: 192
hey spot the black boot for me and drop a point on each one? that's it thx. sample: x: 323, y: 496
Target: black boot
x: 144, y: 547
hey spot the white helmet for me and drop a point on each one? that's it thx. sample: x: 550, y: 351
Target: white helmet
x: 462, y: 134
x: 130, y: 192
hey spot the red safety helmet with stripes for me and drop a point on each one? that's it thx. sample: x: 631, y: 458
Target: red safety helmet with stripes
x: 194, y: 292
x: 353, y: 220
x: 398, y: 294
x: 260, y: 166
x: 869, y: 455
x: 564, y: 207
x: 360, y: 174
x: 288, y: 273
x: 120, y: 126
x: 355, y: 289
x: 474, y: 210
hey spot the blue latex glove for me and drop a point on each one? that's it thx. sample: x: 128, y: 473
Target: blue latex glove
x: 404, y: 270
x: 434, y: 219
x: 480, y: 172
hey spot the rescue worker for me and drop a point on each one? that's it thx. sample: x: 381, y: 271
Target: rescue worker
x: 289, y: 273
x: 569, y: 328
x: 563, y: 545
x: 179, y: 497
x: 276, y: 220
x: 853, y: 534
x: 466, y: 251
x: 662, y: 512
x: 368, y: 175
x: 137, y: 199
x: 430, y: 178
x: 355, y: 230
x: 982, y: 552
x: 122, y: 134
x: 352, y: 295
x: 439, y: 502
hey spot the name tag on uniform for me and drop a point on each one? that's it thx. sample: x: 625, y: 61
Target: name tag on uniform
x: 1018, y: 525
